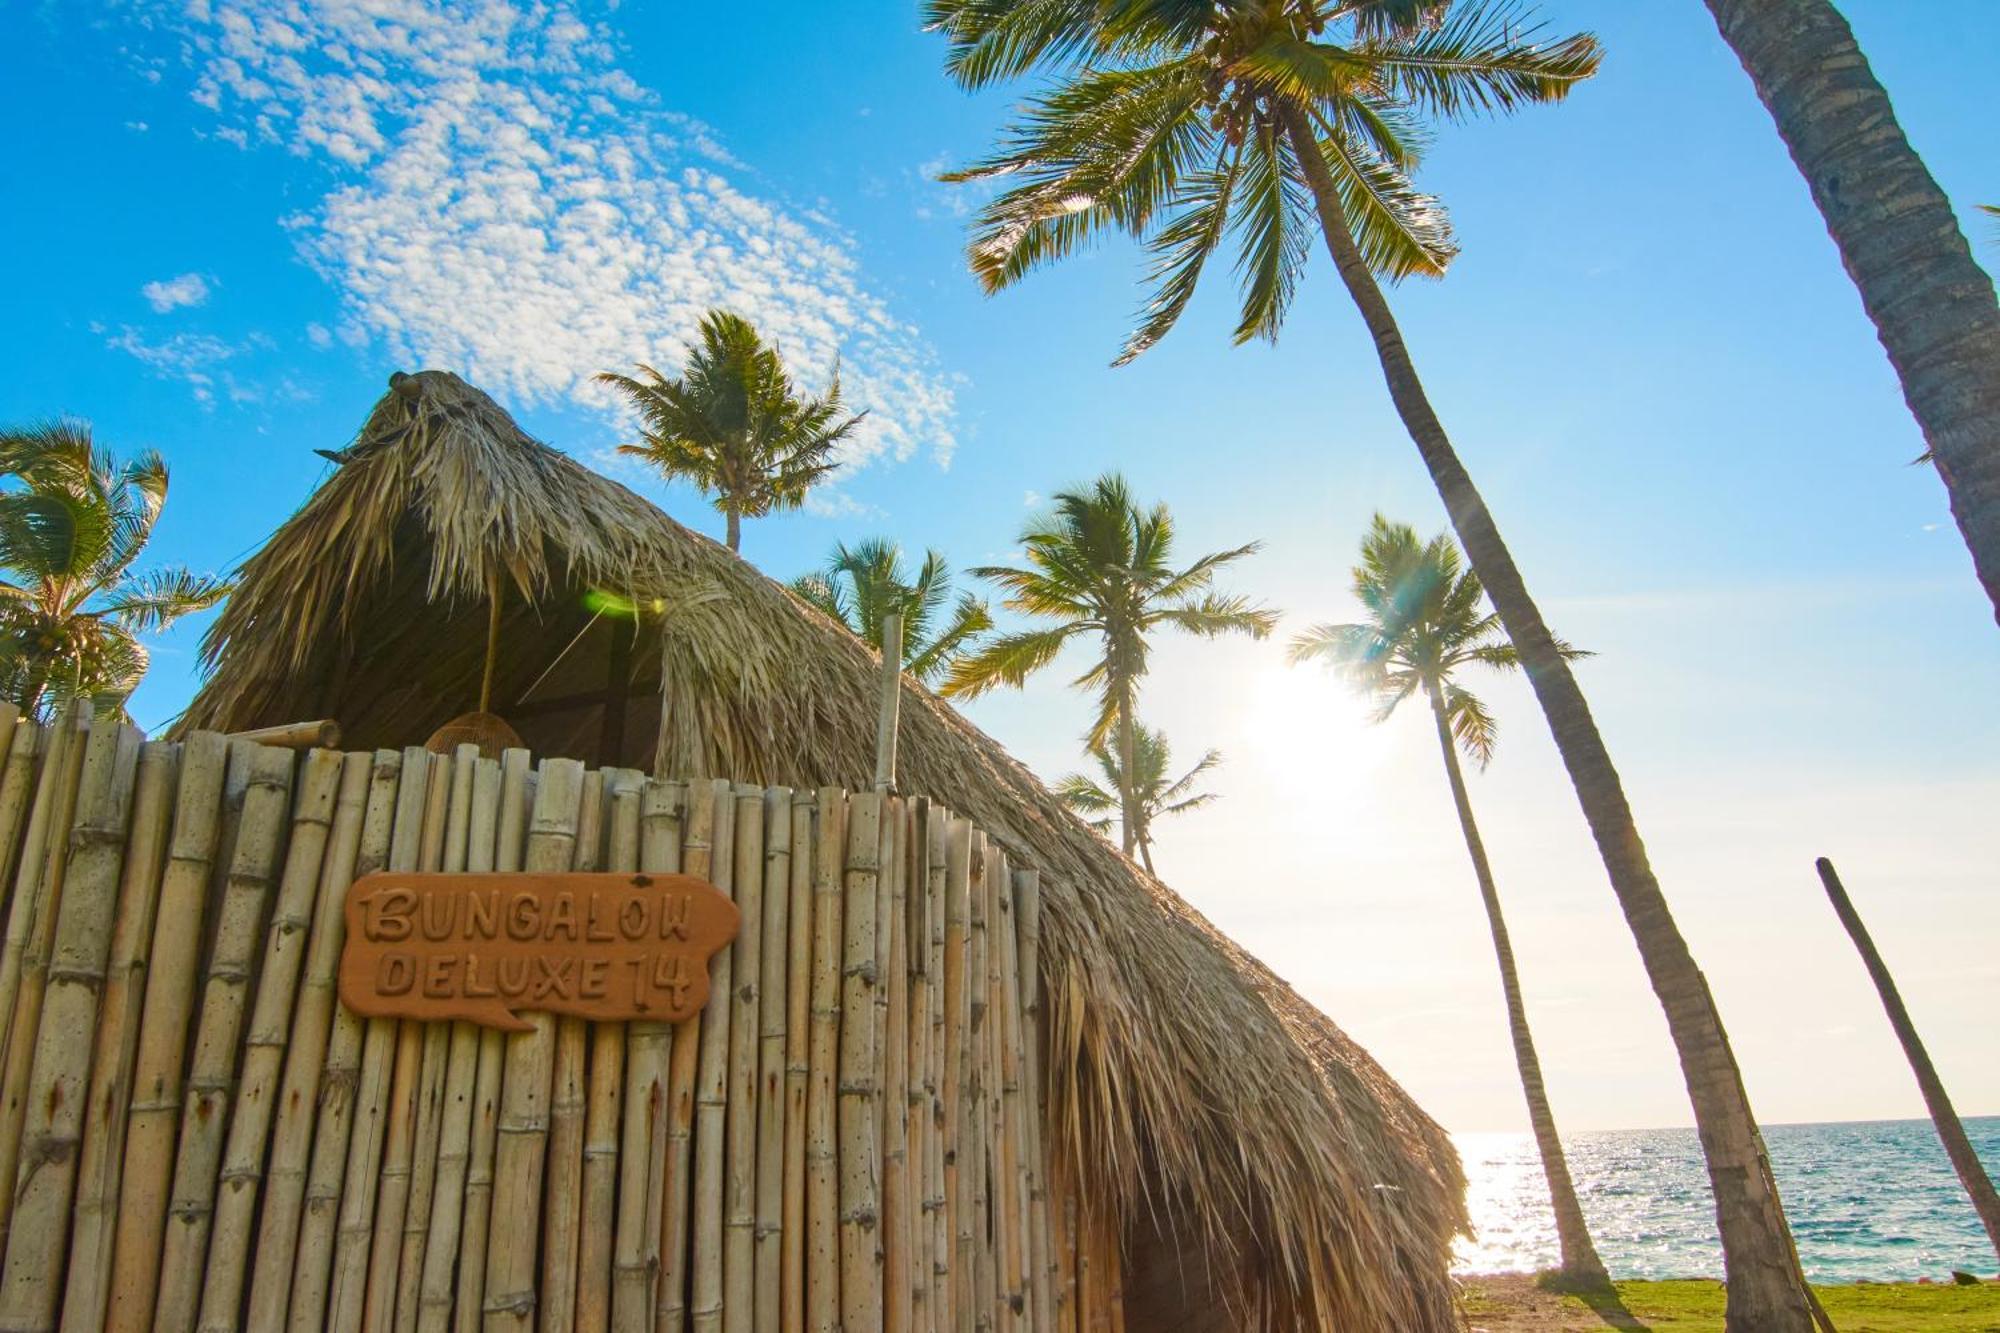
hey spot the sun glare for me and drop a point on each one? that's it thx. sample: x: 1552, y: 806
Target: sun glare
x: 1308, y: 733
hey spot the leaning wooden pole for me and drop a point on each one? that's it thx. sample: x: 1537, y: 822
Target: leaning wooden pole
x: 887, y: 714
x: 1964, y: 1159
x: 31, y: 1288
x: 522, y: 1143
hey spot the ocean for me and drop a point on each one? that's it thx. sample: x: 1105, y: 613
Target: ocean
x: 1868, y: 1200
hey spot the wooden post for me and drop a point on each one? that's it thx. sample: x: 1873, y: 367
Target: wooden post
x: 31, y: 1289
x: 1964, y: 1159
x: 768, y: 1114
x: 896, y: 1233
x: 739, y: 1144
x: 892, y: 695
x: 17, y: 791
x: 958, y: 1155
x: 979, y: 1094
x: 114, y: 1059
x: 937, y: 1120
x: 1028, y: 892
x: 523, y: 1128
x: 303, y: 1299
x: 823, y: 1100
x: 1015, y: 1178
x: 860, y: 1086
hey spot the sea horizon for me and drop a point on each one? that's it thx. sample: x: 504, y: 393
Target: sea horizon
x: 1868, y: 1201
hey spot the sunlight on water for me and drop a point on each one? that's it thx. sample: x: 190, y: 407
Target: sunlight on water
x: 1869, y: 1200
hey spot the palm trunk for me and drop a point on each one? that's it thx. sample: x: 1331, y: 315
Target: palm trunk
x: 1146, y: 856
x: 1128, y: 759
x: 1956, y: 1146
x: 735, y: 534
x: 1933, y: 307
x: 1580, y: 1263
x: 1767, y: 1291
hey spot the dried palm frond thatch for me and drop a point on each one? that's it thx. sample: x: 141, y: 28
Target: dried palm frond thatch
x: 1195, y: 1092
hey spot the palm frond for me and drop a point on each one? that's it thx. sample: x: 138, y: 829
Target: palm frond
x: 1483, y: 58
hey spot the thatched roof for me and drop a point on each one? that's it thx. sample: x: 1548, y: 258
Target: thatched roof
x: 1190, y: 1078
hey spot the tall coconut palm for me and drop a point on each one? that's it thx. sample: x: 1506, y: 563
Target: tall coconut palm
x: 735, y: 424
x: 1933, y: 306
x: 1427, y: 620
x: 1155, y: 796
x: 1099, y: 566
x: 72, y: 524
x: 863, y: 583
x: 1208, y: 125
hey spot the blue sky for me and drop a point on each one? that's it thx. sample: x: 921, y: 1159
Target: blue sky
x: 229, y: 221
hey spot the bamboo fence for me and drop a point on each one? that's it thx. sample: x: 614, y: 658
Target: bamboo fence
x: 849, y: 1136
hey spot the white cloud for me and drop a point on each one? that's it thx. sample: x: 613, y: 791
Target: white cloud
x: 193, y: 358
x: 319, y: 335
x: 189, y: 289
x: 507, y: 202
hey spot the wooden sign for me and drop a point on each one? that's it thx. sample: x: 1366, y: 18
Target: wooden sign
x: 486, y: 947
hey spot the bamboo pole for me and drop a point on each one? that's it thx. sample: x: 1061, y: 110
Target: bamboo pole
x: 321, y: 790
x: 918, y: 1088
x: 562, y: 1190
x: 798, y: 1015
x: 935, y: 1119
x: 958, y: 1157
x: 897, y: 1232
x: 377, y: 1161
x: 739, y: 1191
x: 37, y: 886
x: 523, y: 1128
x: 642, y: 1145
x: 601, y: 1140
x: 978, y: 1058
x: 432, y: 1313
x: 860, y: 1079
x: 499, y: 833
x: 253, y: 868
x: 711, y: 1092
x: 1028, y: 922
x: 822, y: 1165
x: 1065, y: 1248
x: 447, y: 832
x: 31, y: 1286
x: 1017, y: 1178
x: 321, y: 733
x: 115, y: 1053
x: 705, y: 852
x: 30, y: 936
x: 25, y: 744
x: 413, y: 1092
x: 302, y: 1212
x: 285, y: 943
x: 767, y: 1116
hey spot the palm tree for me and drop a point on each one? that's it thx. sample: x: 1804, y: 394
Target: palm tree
x: 1196, y: 125
x: 1100, y: 566
x: 863, y: 583
x: 1154, y: 795
x: 1933, y: 306
x: 1426, y: 620
x: 735, y: 424
x: 71, y: 609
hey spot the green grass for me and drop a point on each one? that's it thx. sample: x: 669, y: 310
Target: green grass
x: 1695, y: 1306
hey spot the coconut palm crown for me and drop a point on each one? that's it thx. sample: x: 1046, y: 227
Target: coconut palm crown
x: 735, y: 423
x: 1155, y: 795
x: 863, y: 583
x: 1098, y: 566
x: 72, y: 525
x: 1186, y: 126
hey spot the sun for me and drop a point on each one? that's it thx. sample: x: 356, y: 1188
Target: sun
x: 1307, y: 733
